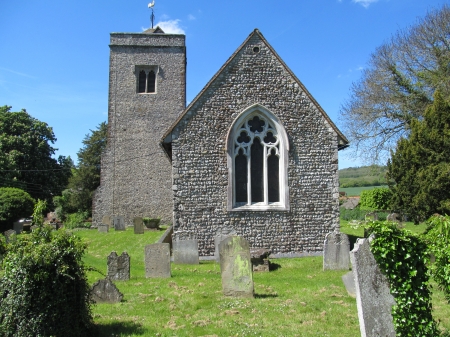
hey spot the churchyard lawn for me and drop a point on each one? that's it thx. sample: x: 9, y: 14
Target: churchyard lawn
x: 296, y: 299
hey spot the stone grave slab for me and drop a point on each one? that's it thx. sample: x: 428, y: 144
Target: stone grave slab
x: 260, y: 259
x: 119, y: 266
x: 236, y: 267
x: 119, y: 223
x: 138, y: 225
x: 222, y: 234
x: 157, y: 260
x: 9, y: 235
x: 105, y: 291
x: 373, y: 298
x: 336, y: 251
x: 102, y: 228
x: 18, y: 227
x: 106, y: 220
x: 372, y: 216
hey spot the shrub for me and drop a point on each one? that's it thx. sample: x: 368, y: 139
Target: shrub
x: 437, y: 235
x: 38, y: 212
x: 77, y: 220
x: 14, y: 204
x: 44, y: 289
x: 375, y: 199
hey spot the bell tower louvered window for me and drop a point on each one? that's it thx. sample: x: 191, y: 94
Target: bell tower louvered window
x: 257, y: 160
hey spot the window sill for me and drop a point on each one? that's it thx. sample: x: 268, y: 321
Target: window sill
x: 260, y: 207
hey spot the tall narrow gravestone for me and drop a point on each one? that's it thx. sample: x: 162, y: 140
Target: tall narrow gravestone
x: 236, y: 267
x: 373, y: 298
x: 119, y: 223
x: 222, y: 234
x: 138, y: 225
x: 336, y: 251
x: 157, y: 260
x: 119, y: 266
x: 106, y: 220
x: 185, y: 248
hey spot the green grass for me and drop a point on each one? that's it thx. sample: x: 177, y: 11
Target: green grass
x: 296, y: 299
x: 356, y: 191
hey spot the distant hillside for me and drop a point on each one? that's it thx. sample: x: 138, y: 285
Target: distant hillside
x: 374, y: 175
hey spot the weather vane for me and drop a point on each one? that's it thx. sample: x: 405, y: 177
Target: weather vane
x: 152, y: 16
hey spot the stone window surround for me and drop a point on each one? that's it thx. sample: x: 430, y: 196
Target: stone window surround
x: 147, y: 69
x: 283, y: 204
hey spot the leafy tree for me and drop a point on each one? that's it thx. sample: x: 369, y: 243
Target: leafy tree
x: 14, y: 204
x: 419, y: 170
x: 375, y: 199
x: 26, y: 154
x: 397, y: 85
x: 86, y: 177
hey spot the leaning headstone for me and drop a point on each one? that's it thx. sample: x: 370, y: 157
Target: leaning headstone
x: 119, y: 266
x: 336, y: 250
x: 373, y: 298
x: 18, y: 227
x: 138, y: 225
x: 9, y: 235
x: 236, y: 267
x: 157, y: 260
x: 185, y: 248
x: 349, y: 283
x: 222, y: 234
x: 105, y: 291
x: 103, y: 228
x: 119, y: 223
x: 106, y: 220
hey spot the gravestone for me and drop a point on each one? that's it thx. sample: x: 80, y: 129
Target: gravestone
x: 372, y: 216
x: 349, y: 283
x: 260, y: 259
x: 105, y: 291
x: 9, y: 235
x: 32, y: 228
x: 119, y: 223
x: 103, y: 228
x: 336, y: 250
x: 119, y: 266
x: 106, y: 220
x: 222, y: 234
x: 394, y: 217
x: 157, y: 260
x: 138, y: 225
x: 185, y: 248
x: 373, y: 298
x: 18, y: 227
x: 236, y: 267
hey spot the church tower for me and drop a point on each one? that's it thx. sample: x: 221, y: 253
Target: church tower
x: 147, y: 92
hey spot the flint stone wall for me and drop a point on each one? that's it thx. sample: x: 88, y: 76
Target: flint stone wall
x: 135, y: 172
x: 199, y: 158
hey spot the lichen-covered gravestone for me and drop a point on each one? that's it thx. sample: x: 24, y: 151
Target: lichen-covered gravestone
x: 105, y: 291
x: 236, y: 267
x: 373, y: 298
x: 185, y: 248
x: 119, y: 223
x: 157, y: 260
x: 103, y: 228
x: 9, y: 235
x: 119, y: 266
x: 138, y: 225
x: 222, y: 234
x: 336, y: 251
x: 106, y: 220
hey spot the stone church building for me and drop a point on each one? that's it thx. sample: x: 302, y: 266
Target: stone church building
x: 253, y: 153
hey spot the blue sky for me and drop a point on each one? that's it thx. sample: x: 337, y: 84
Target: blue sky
x: 54, y: 54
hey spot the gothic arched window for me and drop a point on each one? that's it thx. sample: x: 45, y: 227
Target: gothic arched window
x: 257, y: 162
x: 146, y: 79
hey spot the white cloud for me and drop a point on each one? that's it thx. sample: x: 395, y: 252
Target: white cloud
x: 365, y: 3
x: 191, y: 17
x: 18, y: 73
x: 171, y: 26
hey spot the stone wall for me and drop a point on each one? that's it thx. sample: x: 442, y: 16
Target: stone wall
x: 135, y: 171
x: 200, y: 172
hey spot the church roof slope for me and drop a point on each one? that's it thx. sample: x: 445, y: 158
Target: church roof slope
x: 343, y: 142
